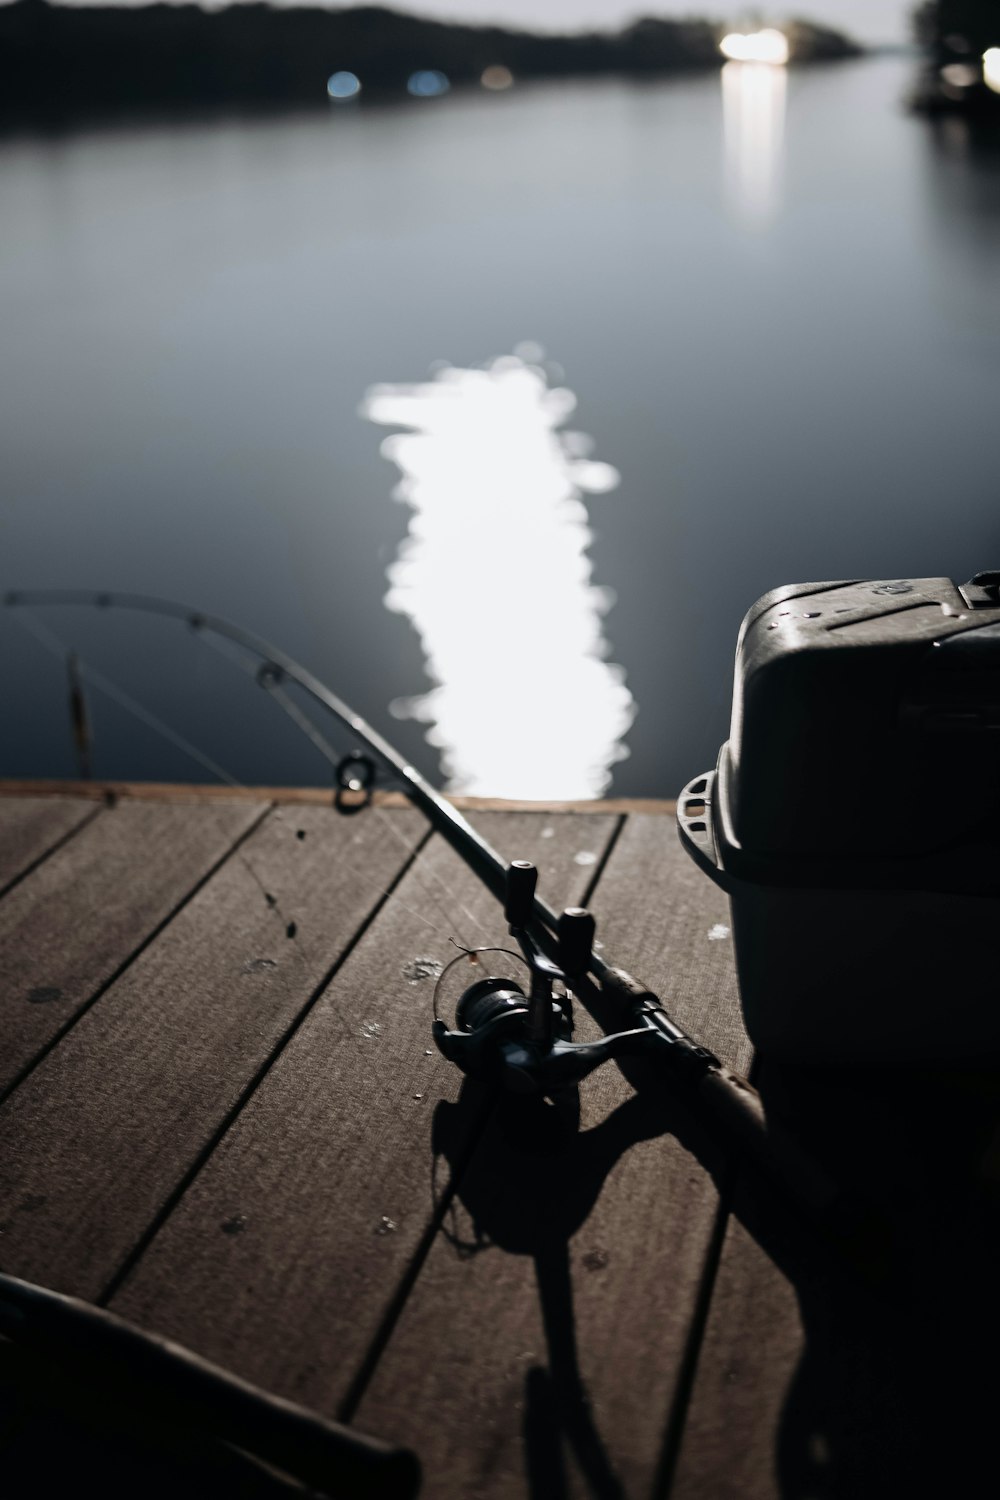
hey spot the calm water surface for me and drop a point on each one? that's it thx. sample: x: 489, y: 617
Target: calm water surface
x: 775, y: 300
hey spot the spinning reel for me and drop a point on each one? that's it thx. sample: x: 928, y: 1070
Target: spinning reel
x: 522, y: 1041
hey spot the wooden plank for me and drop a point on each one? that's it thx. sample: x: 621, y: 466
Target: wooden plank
x: 82, y: 914
x: 661, y: 918
x: 289, y: 1250
x: 746, y: 1369
x: 98, y: 1137
x: 548, y: 1362
x: 159, y: 791
x: 30, y: 827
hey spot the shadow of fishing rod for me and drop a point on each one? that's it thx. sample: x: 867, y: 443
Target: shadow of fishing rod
x: 530, y: 1186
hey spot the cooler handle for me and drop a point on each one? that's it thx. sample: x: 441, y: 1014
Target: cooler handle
x: 696, y: 827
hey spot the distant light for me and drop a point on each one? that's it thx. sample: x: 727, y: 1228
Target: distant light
x: 753, y: 113
x: 496, y: 76
x: 427, y: 83
x: 991, y: 69
x: 767, y: 46
x: 960, y: 75
x: 343, y: 85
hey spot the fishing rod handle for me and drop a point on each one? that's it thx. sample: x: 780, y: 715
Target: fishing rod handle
x: 738, y: 1112
x: 845, y: 1220
x: 735, y: 1109
x: 733, y: 1105
x: 644, y: 1005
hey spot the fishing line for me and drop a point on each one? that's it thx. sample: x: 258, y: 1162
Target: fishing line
x: 420, y: 872
x: 272, y: 684
x: 470, y: 955
x: 269, y: 677
x: 51, y: 642
x: 55, y: 646
x: 441, y: 814
x: 542, y: 1060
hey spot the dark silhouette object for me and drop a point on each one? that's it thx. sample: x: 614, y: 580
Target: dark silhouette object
x: 954, y: 35
x: 895, y: 1385
x: 79, y: 717
x: 103, y: 1382
x: 61, y: 61
x: 896, y: 1391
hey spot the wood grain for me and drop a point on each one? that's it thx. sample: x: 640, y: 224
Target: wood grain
x: 541, y: 1349
x: 100, y: 1134
x: 287, y: 1253
x: 30, y: 827
x: 82, y: 914
x: 246, y: 1143
x: 752, y: 1347
x: 661, y: 918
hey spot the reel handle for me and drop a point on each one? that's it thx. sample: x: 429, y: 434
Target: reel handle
x: 576, y: 940
x: 522, y: 877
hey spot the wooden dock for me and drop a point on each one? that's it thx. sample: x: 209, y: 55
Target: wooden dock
x: 222, y: 1118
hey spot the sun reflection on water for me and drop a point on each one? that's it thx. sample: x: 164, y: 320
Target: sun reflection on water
x: 495, y: 577
x: 753, y: 108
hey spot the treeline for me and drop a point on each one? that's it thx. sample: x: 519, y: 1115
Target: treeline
x: 64, y: 59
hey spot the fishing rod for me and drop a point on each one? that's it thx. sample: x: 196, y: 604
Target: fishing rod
x: 523, y: 1042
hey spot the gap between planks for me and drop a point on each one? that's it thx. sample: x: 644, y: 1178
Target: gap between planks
x: 159, y: 791
x: 378, y: 1404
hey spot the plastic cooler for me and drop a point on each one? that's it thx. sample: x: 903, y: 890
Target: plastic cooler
x: 854, y: 820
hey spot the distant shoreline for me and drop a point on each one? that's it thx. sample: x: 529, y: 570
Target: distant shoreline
x: 60, y: 61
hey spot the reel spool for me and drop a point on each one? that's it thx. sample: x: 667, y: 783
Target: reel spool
x: 523, y: 1041
x: 487, y: 999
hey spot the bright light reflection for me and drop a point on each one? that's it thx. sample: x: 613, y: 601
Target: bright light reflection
x: 428, y: 83
x: 496, y: 76
x: 494, y: 575
x: 991, y: 69
x: 343, y: 85
x: 753, y: 108
x: 960, y: 75
x: 767, y: 46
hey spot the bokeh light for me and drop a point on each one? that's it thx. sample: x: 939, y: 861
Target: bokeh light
x: 427, y: 83
x: 767, y: 46
x: 991, y: 69
x: 343, y: 85
x: 496, y: 76
x: 960, y: 75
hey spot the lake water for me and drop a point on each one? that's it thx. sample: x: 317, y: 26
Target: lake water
x: 775, y: 299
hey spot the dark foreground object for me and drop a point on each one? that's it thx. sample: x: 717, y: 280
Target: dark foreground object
x: 223, y: 1119
x: 856, y: 871
x: 91, y: 1364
